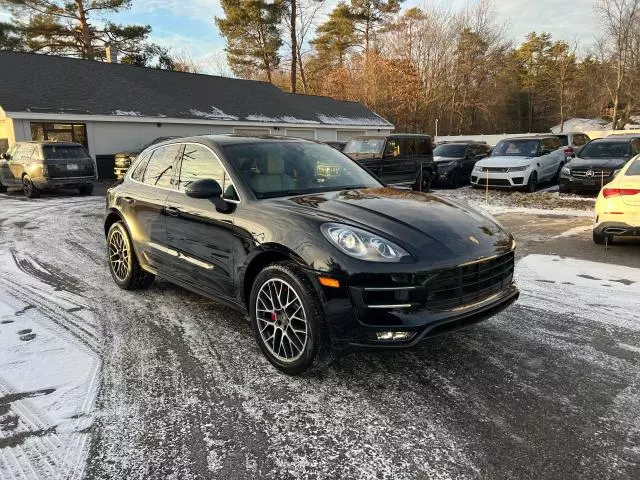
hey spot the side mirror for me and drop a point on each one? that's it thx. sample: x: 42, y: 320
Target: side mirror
x: 205, y: 188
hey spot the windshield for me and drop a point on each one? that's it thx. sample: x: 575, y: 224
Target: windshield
x: 278, y: 169
x: 55, y: 152
x: 605, y: 150
x: 516, y: 148
x: 364, y: 145
x: 450, y: 150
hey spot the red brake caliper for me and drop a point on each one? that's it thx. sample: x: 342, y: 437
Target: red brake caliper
x: 274, y: 317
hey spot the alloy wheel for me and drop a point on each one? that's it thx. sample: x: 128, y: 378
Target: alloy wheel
x: 282, y: 320
x: 119, y: 255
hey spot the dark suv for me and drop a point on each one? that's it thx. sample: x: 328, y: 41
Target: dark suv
x: 455, y: 161
x: 399, y: 159
x: 36, y: 166
x: 597, y: 163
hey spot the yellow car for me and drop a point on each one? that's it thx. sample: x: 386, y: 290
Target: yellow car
x: 618, y: 205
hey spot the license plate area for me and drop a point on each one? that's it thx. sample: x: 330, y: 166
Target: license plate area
x: 72, y: 166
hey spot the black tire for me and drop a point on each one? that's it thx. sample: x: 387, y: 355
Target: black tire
x: 135, y: 278
x: 427, y: 181
x: 563, y: 188
x: 602, y: 239
x: 316, y: 351
x: 556, y: 179
x: 86, y: 189
x: 454, y: 179
x: 3, y: 189
x: 29, y: 189
x: 532, y: 184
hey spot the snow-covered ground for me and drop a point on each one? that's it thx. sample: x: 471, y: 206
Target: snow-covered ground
x: 550, y: 388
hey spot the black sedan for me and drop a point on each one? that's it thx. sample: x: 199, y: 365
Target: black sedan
x: 318, y: 252
x: 597, y: 163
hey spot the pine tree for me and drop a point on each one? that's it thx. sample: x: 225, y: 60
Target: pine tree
x: 251, y: 30
x: 335, y: 37
x: 370, y: 15
x: 64, y: 27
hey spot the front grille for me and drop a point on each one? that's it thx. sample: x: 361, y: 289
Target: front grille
x: 469, y: 283
x: 597, y: 173
x: 494, y: 169
x: 494, y: 182
x: 61, y: 171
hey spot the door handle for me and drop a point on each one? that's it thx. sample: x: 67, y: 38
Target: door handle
x: 129, y: 200
x: 173, y: 212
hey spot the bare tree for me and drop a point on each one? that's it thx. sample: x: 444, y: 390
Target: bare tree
x: 618, y: 20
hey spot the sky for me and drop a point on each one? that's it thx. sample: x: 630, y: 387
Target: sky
x: 188, y: 25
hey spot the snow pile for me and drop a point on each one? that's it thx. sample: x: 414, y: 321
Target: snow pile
x: 600, y: 292
x: 505, y: 201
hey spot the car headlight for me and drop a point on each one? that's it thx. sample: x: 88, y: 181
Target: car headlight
x: 477, y: 168
x: 518, y: 169
x: 362, y: 244
x: 566, y: 170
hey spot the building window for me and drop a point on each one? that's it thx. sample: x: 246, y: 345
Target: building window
x: 63, y: 132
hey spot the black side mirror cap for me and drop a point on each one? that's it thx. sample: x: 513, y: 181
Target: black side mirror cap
x: 205, y: 188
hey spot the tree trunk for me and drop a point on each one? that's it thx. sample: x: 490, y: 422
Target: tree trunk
x: 86, y: 33
x: 303, y: 77
x: 294, y: 45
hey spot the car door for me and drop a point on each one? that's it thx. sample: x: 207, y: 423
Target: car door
x: 399, y: 161
x: 549, y: 159
x: 200, y: 233
x: 19, y: 163
x: 6, y: 174
x: 143, y: 204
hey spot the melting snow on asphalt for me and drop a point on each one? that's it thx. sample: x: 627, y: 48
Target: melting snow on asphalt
x: 185, y: 392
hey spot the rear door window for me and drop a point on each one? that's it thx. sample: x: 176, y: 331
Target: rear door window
x: 392, y: 148
x: 580, y: 140
x: 408, y: 147
x: 159, y: 171
x: 634, y: 168
x: 423, y: 146
x: 564, y: 140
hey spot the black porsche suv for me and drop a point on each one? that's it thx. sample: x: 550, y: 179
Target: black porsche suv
x: 318, y: 252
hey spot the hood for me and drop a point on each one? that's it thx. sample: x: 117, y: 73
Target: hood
x: 430, y: 227
x: 505, y: 161
x: 613, y: 163
x: 132, y: 153
x: 446, y: 159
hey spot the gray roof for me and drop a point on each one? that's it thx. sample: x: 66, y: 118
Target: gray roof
x: 49, y: 84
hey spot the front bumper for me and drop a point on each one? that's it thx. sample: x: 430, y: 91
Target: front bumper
x: 582, y: 184
x: 429, y: 304
x: 499, y: 179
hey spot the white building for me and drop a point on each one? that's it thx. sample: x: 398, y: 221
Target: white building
x: 112, y: 107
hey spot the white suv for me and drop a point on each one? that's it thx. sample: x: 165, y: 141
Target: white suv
x: 521, y: 162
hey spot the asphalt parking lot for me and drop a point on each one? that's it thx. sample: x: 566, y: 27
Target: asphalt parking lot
x: 99, y: 383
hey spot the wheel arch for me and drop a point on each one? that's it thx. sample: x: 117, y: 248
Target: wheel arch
x: 112, y: 217
x: 268, y: 254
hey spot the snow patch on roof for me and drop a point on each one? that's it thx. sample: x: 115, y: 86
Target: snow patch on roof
x: 339, y: 120
x: 124, y: 113
x: 214, y: 114
x: 284, y: 119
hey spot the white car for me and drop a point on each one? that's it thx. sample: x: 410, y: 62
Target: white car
x: 521, y: 162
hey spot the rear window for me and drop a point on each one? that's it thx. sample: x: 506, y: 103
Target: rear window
x: 605, y: 150
x: 634, y: 168
x: 564, y: 140
x: 516, y: 148
x: 63, y: 152
x: 450, y: 150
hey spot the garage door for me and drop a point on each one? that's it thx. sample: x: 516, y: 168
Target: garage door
x: 308, y: 133
x: 346, y: 135
x: 251, y: 131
